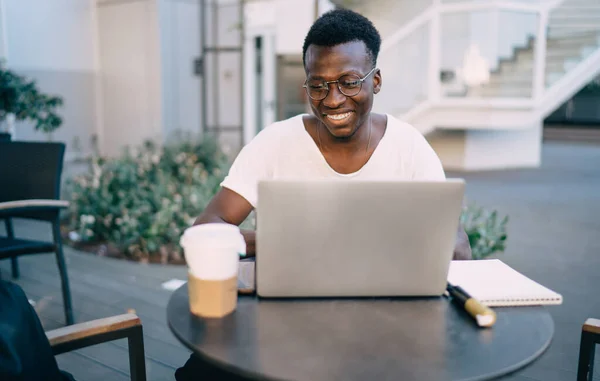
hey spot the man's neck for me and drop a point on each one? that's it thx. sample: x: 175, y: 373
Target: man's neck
x: 355, y: 144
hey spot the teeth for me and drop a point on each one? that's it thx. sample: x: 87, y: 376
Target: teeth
x: 339, y: 117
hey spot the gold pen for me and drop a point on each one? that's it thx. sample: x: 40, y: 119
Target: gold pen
x: 484, y: 316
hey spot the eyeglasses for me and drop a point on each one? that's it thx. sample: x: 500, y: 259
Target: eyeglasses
x: 349, y: 85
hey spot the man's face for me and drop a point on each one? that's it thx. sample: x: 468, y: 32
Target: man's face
x: 341, y: 114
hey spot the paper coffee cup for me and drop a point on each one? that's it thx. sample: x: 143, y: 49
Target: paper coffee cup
x: 212, y: 253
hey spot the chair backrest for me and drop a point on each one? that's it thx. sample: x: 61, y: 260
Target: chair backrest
x: 30, y: 170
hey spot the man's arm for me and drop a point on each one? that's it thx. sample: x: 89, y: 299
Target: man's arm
x: 229, y: 207
x: 462, y: 248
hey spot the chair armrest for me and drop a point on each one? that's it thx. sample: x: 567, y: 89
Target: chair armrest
x: 28, y: 208
x: 592, y: 326
x: 26, y: 204
x: 93, y: 332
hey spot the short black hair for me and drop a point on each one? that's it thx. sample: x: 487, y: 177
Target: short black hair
x: 339, y: 26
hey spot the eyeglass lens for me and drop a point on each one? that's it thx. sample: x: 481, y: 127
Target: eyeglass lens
x: 349, y: 85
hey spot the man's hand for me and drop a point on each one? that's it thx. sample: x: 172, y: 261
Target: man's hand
x: 229, y: 207
x: 462, y: 248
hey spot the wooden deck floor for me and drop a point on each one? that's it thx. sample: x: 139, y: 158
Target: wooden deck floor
x: 553, y: 238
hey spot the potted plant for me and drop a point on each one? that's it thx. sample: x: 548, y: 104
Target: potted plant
x: 21, y: 99
x: 486, y: 230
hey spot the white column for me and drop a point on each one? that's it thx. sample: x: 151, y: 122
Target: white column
x: 97, y: 82
x: 269, y: 79
x: 131, y: 73
x: 249, y: 119
x: 434, y: 85
x: 3, y: 37
x: 539, y: 68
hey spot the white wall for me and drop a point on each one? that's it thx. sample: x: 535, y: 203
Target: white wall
x: 294, y: 18
x: 290, y: 19
x: 52, y: 42
x: 390, y: 15
x: 128, y: 35
x: 486, y: 149
x: 180, y: 30
x: 53, y: 35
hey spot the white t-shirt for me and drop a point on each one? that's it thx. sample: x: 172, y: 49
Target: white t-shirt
x: 285, y: 150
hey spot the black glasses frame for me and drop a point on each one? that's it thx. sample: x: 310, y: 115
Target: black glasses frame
x: 361, y: 80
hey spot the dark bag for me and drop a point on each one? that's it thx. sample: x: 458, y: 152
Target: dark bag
x: 25, y: 353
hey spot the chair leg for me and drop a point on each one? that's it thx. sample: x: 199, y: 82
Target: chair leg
x: 14, y: 262
x: 587, y: 348
x: 137, y: 360
x: 591, y: 367
x: 62, y: 268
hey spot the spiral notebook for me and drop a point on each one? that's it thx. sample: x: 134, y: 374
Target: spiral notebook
x: 494, y: 283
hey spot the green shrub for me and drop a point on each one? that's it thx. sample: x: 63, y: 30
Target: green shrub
x: 21, y: 97
x: 142, y: 202
x: 486, y: 231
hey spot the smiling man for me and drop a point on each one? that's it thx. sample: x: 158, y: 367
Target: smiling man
x: 343, y: 139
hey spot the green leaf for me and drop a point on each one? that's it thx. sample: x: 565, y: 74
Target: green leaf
x: 486, y: 232
x: 131, y: 189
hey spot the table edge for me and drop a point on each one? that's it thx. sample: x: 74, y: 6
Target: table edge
x: 258, y: 376
x: 524, y: 363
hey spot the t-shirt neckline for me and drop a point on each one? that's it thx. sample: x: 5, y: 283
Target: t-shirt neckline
x: 324, y: 161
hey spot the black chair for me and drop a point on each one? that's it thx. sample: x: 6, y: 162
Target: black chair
x: 590, y: 337
x: 30, y: 174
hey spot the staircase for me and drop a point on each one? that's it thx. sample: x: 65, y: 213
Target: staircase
x: 514, y: 78
x: 497, y: 124
x: 573, y: 35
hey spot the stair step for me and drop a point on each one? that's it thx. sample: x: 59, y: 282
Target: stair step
x: 554, y: 51
x: 578, y: 4
x: 572, y: 29
x: 552, y: 64
x: 561, y: 29
x: 553, y: 54
x: 587, y: 26
x: 588, y: 39
x: 526, y: 67
x: 592, y: 19
x: 584, y: 52
x: 583, y: 3
x: 502, y: 92
x: 575, y: 14
x: 522, y: 75
x: 504, y: 81
x: 575, y: 8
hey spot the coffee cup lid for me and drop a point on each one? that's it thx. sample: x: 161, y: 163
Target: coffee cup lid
x: 214, y: 234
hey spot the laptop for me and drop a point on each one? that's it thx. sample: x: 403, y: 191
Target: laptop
x: 355, y: 238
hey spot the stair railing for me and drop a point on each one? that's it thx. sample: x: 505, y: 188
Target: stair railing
x: 430, y: 23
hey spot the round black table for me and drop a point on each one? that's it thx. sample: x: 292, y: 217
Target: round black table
x: 361, y: 339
